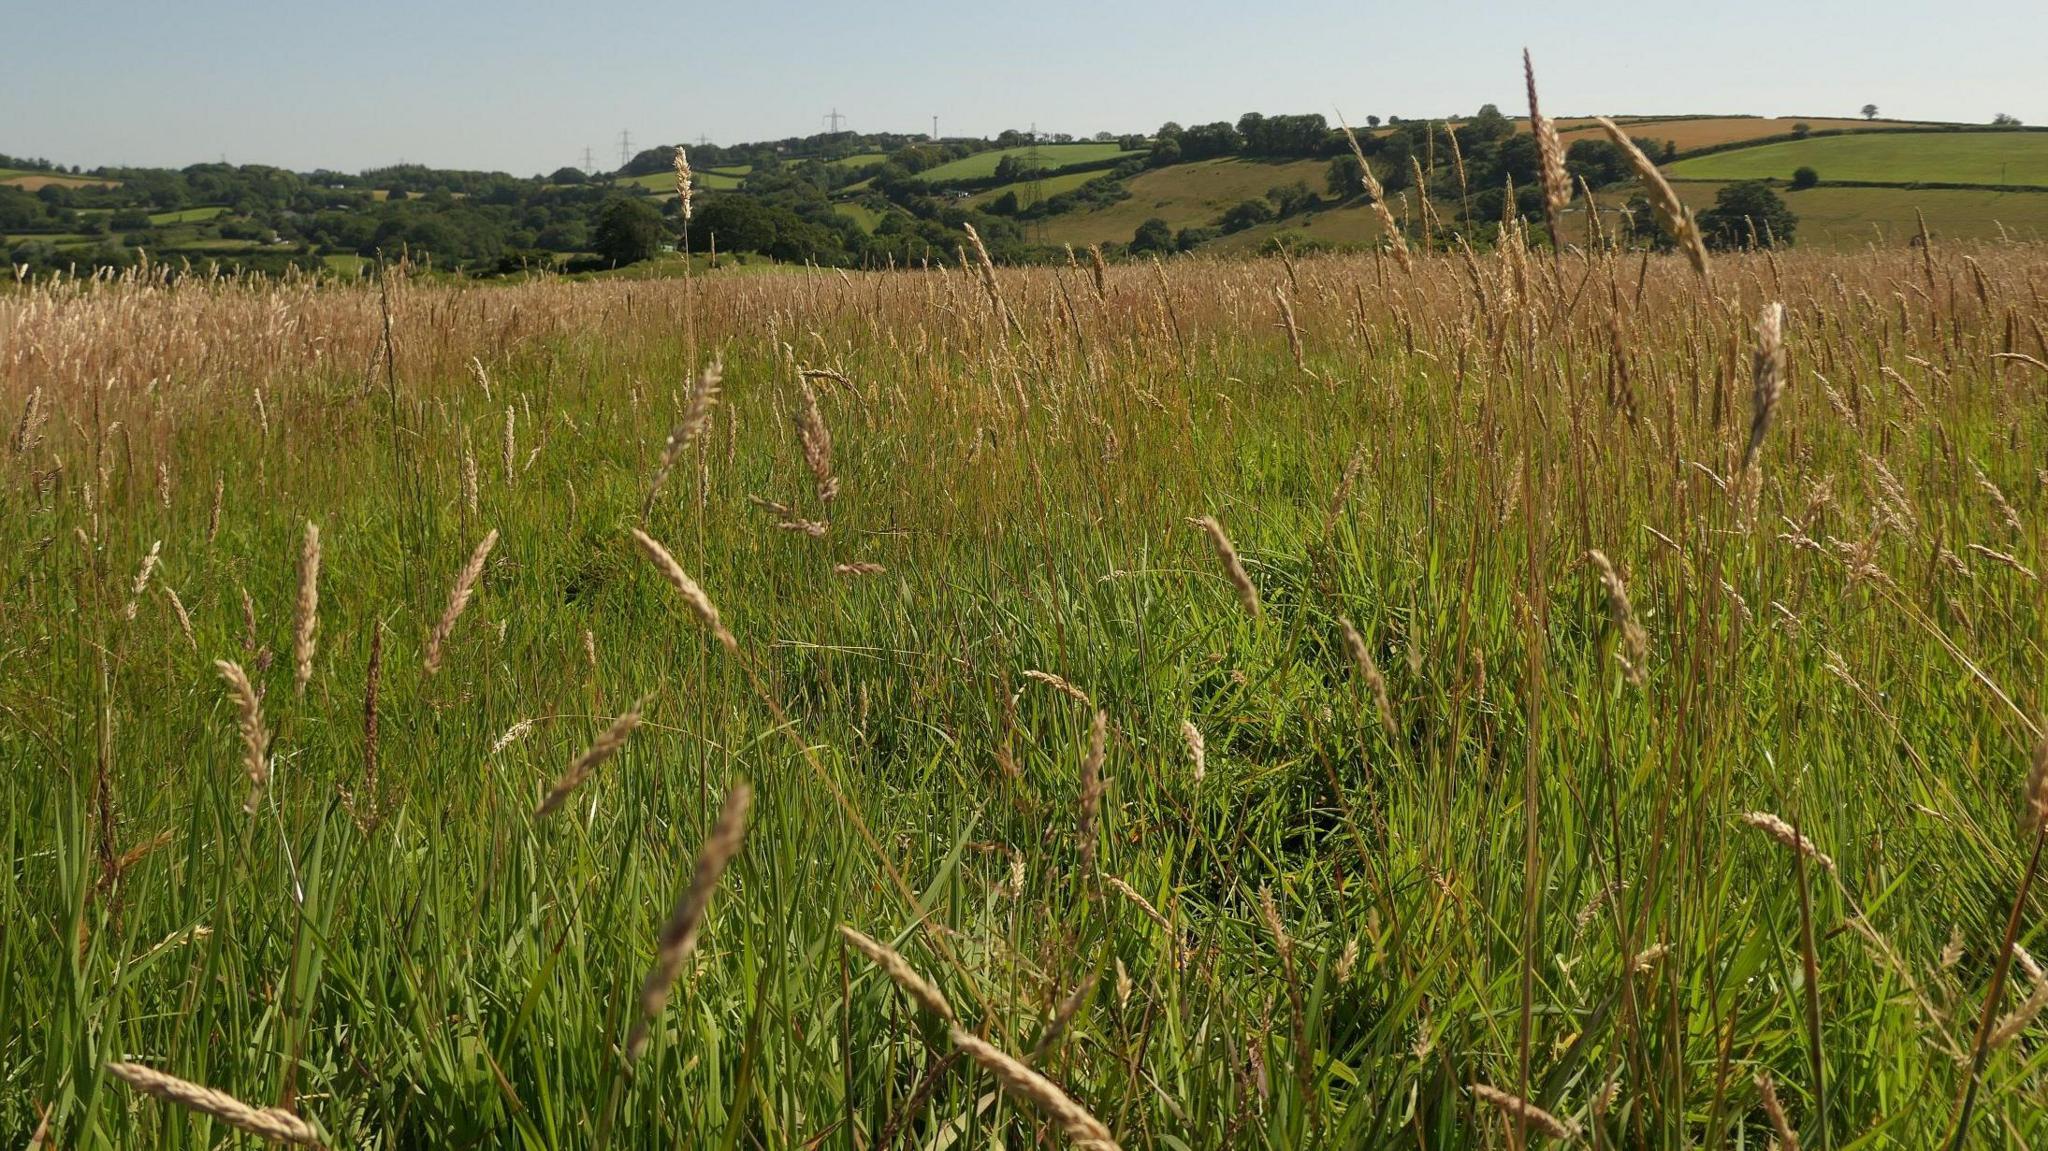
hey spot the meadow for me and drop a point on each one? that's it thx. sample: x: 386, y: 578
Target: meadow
x: 1052, y: 157
x: 1412, y: 700
x: 2007, y: 158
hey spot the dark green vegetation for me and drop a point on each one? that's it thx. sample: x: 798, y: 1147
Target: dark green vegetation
x: 1495, y: 842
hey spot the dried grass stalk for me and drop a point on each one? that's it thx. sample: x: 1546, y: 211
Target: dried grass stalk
x: 1516, y: 1107
x: 696, y: 417
x: 1369, y: 671
x: 1632, y: 642
x: 1092, y: 785
x: 1672, y: 213
x: 1084, y: 1129
x: 607, y: 745
x: 1233, y: 568
x: 700, y: 604
x: 679, y: 935
x: 306, y: 618
x: 1767, y: 1089
x: 1198, y: 748
x: 898, y: 969
x: 1767, y: 377
x: 1557, y: 186
x: 1378, y: 195
x: 1785, y: 834
x: 458, y: 598
x: 249, y: 720
x: 272, y: 1123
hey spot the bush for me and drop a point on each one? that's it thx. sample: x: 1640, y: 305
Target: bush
x: 628, y: 231
x: 1745, y: 214
x: 1804, y: 178
x: 1246, y: 214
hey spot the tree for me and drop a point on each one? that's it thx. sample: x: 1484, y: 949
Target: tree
x: 2005, y: 120
x: 1372, y: 121
x: 1245, y: 214
x: 1342, y: 178
x: 1804, y: 178
x: 1154, y: 235
x: 568, y: 176
x: 1802, y: 130
x: 627, y: 231
x: 1746, y: 213
x: 1870, y: 111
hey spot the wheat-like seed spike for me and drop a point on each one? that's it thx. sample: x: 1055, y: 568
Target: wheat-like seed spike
x: 1557, y: 186
x: 1198, y: 748
x: 683, y: 183
x: 679, y: 935
x: 606, y: 745
x: 1767, y: 377
x: 1059, y: 685
x: 149, y: 563
x: 272, y: 1123
x: 859, y: 568
x: 700, y: 604
x: 1671, y: 211
x: 1247, y: 592
x: 1092, y: 785
x: 817, y: 444
x: 306, y: 620
x: 1378, y: 195
x: 184, y: 620
x: 458, y: 598
x: 2017, y: 1021
x: 1140, y: 902
x: 1621, y: 616
x: 1783, y: 832
x: 1074, y: 1121
x: 898, y: 969
x: 1768, y: 1090
x: 1369, y: 670
x: 696, y: 417
x: 249, y: 719
x: 512, y: 735
x: 511, y: 441
x: 1514, y: 1106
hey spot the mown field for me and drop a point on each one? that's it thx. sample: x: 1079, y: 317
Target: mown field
x: 1052, y: 157
x: 1855, y: 218
x: 2008, y: 158
x: 1691, y: 133
x: 1331, y: 703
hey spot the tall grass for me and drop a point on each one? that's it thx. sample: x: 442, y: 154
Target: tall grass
x: 1405, y: 824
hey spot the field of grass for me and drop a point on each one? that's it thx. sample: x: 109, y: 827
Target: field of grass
x: 1048, y: 187
x: 719, y: 180
x: 982, y: 165
x: 187, y: 215
x: 860, y: 214
x: 33, y: 181
x: 1451, y: 771
x: 1853, y: 218
x: 860, y: 161
x: 1184, y: 195
x: 2012, y: 158
x: 1707, y: 132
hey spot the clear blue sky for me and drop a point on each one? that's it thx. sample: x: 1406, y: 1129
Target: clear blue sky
x: 527, y: 86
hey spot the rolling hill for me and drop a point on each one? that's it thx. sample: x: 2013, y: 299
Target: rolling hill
x: 2011, y: 159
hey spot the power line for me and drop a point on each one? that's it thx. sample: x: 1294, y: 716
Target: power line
x: 835, y: 119
x: 625, y: 148
x: 589, y: 164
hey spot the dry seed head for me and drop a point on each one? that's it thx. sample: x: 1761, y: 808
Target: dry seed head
x: 817, y: 444
x: 1347, y: 962
x: 306, y: 619
x: 696, y: 417
x: 1198, y: 748
x: 1671, y: 211
x: 458, y: 598
x: 1084, y: 1129
x: 272, y: 1123
x: 699, y: 603
x: 899, y: 971
x: 683, y: 183
x: 184, y: 620
x: 1634, y: 643
x: 1767, y: 377
x: 1092, y: 785
x: 249, y: 720
x: 859, y: 568
x: 1369, y: 671
x: 1768, y: 1090
x: 1140, y: 902
x: 2012, y: 1024
x: 1378, y: 196
x: 1233, y: 568
x: 679, y: 934
x: 1514, y: 1106
x: 1059, y: 685
x: 1557, y: 186
x: 607, y: 745
x: 149, y: 563
x: 1785, y: 834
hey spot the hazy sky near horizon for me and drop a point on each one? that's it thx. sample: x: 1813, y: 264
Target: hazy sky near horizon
x: 525, y: 87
